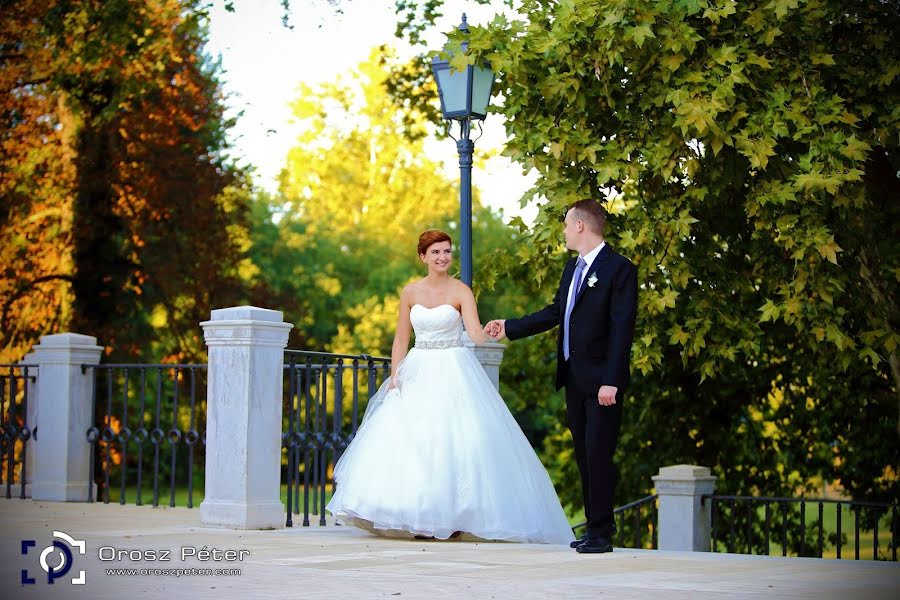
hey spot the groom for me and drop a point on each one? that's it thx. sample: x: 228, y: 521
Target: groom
x: 595, y: 308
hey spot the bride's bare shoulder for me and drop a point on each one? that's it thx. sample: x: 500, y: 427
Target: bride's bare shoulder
x: 410, y: 290
x: 461, y: 289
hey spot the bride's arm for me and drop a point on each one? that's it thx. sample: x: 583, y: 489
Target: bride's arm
x: 470, y: 317
x: 401, y: 336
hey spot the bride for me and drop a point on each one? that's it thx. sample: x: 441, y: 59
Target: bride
x: 438, y: 454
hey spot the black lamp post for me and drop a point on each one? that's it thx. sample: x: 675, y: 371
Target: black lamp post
x: 465, y: 96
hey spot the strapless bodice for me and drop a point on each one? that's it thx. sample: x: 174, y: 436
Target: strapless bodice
x: 437, y: 327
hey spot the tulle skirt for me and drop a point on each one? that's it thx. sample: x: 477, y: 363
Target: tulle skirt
x: 442, y: 454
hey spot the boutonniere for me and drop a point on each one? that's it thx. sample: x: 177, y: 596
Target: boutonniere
x: 592, y: 280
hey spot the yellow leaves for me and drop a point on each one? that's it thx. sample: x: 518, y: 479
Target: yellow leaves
x: 672, y: 61
x: 607, y: 172
x: 589, y: 154
x: 814, y: 182
x: 838, y: 337
x: 722, y: 11
x: 829, y: 250
x: 759, y: 61
x: 755, y: 414
x: 757, y: 151
x: 756, y: 19
x: 665, y: 300
x: 770, y: 312
x: 684, y: 222
x: 670, y: 64
x: 856, y: 149
x: 459, y: 62
x: 373, y: 323
x: 792, y: 308
x: 848, y: 118
x: 691, y: 167
x: 696, y: 116
x: 822, y: 59
x: 327, y: 284
x: 782, y: 6
x: 725, y: 55
x: 159, y: 317
x: 639, y: 34
x: 677, y: 335
x: 556, y: 149
x: 769, y: 37
x: 247, y: 270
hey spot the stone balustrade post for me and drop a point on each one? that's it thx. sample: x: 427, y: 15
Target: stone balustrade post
x: 243, y: 421
x: 684, y: 519
x: 63, y: 416
x: 490, y: 355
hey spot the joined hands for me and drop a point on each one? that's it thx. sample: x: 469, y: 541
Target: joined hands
x: 496, y: 329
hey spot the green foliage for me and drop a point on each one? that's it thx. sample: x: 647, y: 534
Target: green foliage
x: 748, y: 153
x: 355, y: 194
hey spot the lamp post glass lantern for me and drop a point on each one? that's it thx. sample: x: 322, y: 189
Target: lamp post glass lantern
x: 465, y: 96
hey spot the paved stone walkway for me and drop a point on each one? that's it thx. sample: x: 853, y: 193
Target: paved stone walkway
x: 341, y: 562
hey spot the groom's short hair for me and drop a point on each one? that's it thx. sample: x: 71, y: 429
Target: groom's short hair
x: 592, y: 213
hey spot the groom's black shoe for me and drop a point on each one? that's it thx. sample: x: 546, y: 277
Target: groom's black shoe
x: 578, y: 541
x: 595, y: 546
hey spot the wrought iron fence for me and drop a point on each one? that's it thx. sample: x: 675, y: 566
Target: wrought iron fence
x: 16, y: 428
x: 636, y: 523
x: 321, y: 414
x: 759, y: 525
x: 142, y: 412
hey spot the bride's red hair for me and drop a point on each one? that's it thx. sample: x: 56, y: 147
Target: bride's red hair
x: 429, y: 237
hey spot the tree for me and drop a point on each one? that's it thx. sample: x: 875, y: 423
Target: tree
x: 134, y: 113
x: 36, y: 175
x: 748, y: 155
x: 355, y: 195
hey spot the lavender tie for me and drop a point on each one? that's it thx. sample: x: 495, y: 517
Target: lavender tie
x: 570, y: 304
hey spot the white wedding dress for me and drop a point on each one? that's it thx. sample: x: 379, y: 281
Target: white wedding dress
x: 442, y: 453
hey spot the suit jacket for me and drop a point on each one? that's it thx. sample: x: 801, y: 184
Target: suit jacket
x: 601, y: 328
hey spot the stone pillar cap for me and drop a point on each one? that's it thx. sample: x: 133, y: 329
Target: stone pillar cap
x: 684, y: 472
x: 247, y: 313
x: 67, y: 340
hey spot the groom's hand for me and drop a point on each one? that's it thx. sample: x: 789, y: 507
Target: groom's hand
x: 496, y: 329
x: 607, y: 395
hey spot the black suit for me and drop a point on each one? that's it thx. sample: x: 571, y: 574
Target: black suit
x: 601, y: 329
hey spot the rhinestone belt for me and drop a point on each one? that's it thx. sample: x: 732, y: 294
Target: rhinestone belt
x: 438, y: 344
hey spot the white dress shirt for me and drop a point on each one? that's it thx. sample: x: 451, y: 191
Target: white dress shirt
x: 588, y: 261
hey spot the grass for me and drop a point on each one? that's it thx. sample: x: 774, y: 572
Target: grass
x: 182, y: 496
x: 829, y: 528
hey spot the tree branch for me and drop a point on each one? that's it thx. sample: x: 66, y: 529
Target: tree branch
x: 24, y: 290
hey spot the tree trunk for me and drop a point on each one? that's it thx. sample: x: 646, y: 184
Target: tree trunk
x: 101, y: 270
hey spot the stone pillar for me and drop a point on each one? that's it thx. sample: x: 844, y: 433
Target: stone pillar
x: 490, y: 355
x: 684, y: 522
x: 30, y: 420
x: 243, y: 420
x: 62, y: 452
